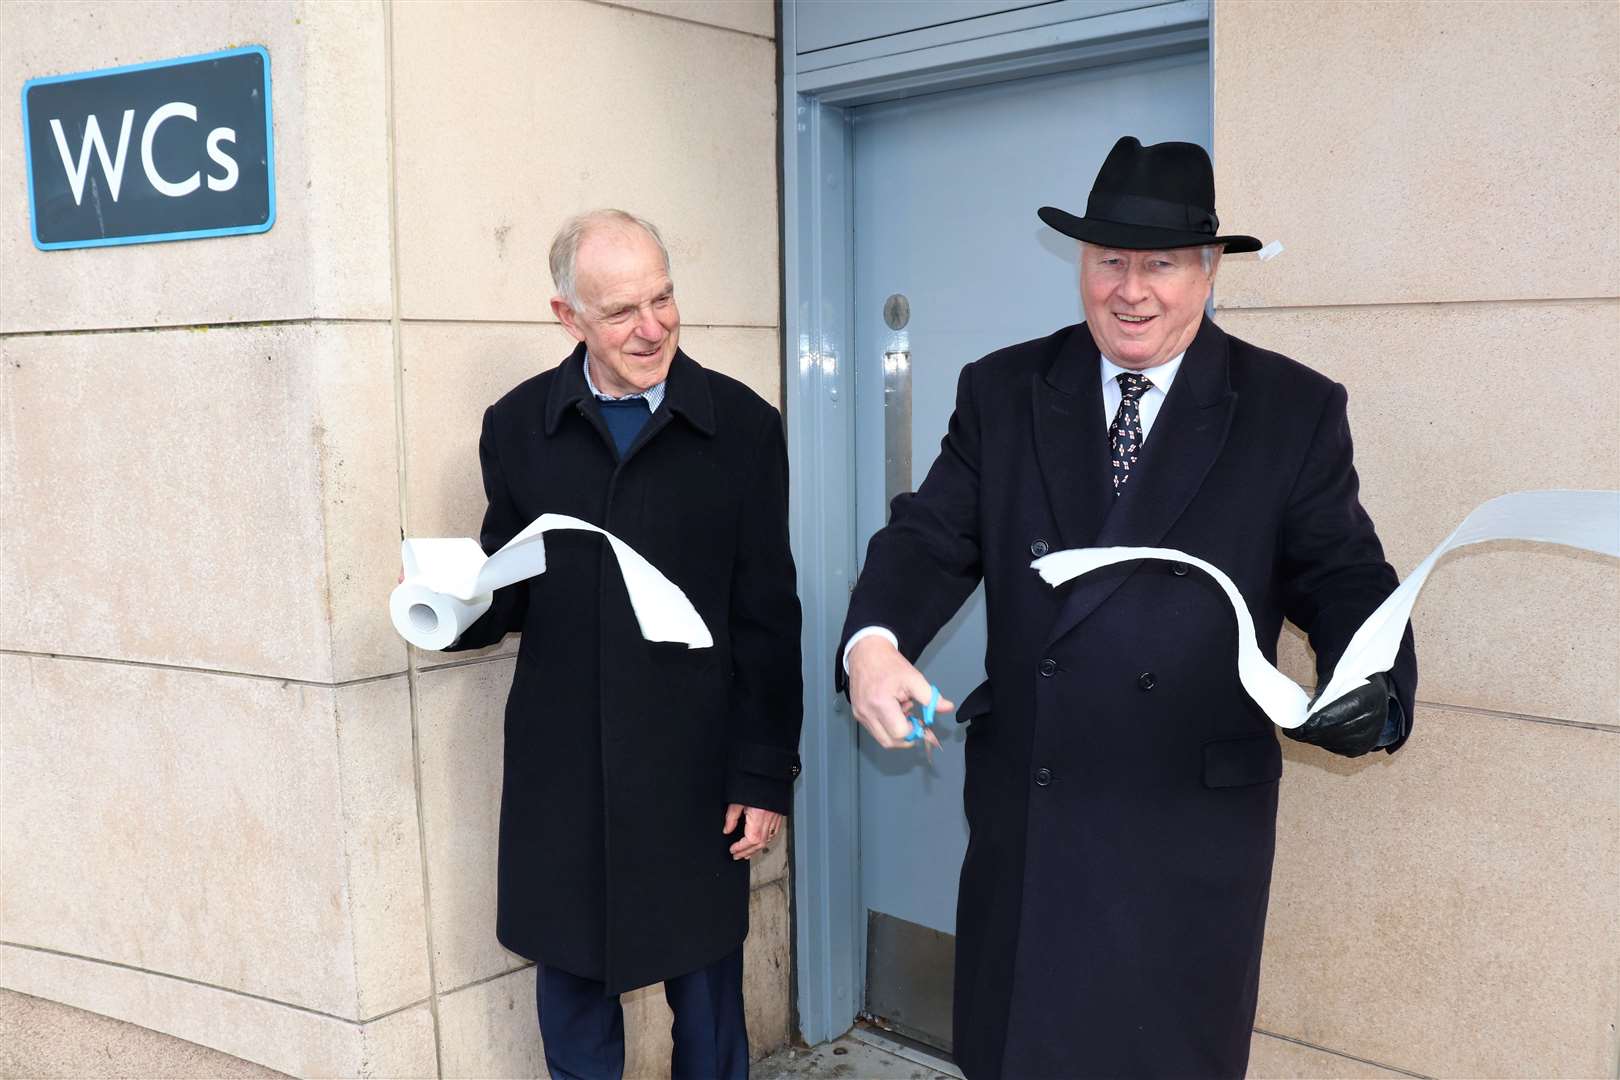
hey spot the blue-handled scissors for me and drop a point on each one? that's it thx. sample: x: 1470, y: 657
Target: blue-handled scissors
x: 927, y: 716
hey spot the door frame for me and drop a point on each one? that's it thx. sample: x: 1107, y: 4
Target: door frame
x: 818, y: 90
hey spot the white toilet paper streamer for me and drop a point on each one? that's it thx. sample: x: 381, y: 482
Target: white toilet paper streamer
x: 449, y: 584
x: 1589, y: 520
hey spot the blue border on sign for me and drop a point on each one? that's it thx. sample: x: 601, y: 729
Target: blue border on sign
x: 152, y: 238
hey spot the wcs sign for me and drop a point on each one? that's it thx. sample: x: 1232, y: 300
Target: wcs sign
x: 170, y: 150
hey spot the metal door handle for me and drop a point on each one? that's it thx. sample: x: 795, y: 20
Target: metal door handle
x: 897, y: 421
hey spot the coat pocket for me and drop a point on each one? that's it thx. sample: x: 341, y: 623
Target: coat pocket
x: 976, y: 707
x: 1242, y: 762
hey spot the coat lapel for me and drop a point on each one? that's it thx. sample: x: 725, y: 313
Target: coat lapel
x: 686, y: 394
x: 1071, y: 444
x: 1187, y: 437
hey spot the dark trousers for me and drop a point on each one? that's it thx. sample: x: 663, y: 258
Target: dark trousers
x: 583, y: 1026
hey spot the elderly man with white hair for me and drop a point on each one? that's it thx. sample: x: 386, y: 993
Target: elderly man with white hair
x: 1121, y: 789
x: 639, y: 777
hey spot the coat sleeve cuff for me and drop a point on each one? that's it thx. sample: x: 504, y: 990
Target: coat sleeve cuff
x: 771, y: 762
x: 762, y: 776
x: 841, y: 668
x: 865, y: 632
x: 1398, y: 728
x: 762, y: 793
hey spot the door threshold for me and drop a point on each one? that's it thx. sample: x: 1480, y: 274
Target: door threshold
x: 902, y: 1047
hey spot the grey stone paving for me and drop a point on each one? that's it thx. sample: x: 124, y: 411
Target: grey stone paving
x: 851, y: 1057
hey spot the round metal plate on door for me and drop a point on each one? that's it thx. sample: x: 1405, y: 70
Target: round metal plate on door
x: 896, y: 311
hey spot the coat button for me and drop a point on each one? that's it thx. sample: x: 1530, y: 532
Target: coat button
x: 1146, y: 680
x: 1043, y: 776
x: 1179, y: 569
x: 1039, y: 548
x: 1048, y: 667
x: 796, y: 770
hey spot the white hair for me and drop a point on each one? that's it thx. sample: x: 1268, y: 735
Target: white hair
x: 565, y: 245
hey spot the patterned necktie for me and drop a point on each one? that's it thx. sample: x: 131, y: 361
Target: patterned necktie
x: 1125, y: 433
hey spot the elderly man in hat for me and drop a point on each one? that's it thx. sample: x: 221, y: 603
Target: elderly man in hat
x: 1121, y: 789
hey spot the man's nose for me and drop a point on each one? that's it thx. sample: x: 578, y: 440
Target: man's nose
x: 648, y: 328
x: 1133, y: 288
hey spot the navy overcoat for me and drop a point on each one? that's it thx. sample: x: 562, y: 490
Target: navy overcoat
x: 1121, y: 788
x: 621, y: 755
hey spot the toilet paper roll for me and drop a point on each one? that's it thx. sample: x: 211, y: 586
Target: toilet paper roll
x: 433, y: 620
x: 449, y: 584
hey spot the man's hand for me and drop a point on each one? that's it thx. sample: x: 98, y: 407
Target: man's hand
x: 882, y: 685
x: 759, y: 829
x: 1351, y: 725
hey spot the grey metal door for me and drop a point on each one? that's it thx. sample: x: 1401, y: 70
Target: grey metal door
x: 945, y: 191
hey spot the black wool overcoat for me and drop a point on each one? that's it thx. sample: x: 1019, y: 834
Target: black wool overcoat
x: 622, y: 754
x: 1121, y: 788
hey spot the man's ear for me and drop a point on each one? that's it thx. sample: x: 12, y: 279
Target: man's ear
x: 568, y: 317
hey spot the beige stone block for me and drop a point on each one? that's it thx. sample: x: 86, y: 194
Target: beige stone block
x: 381, y: 845
x: 648, y: 1040
x: 248, y: 834
x: 1451, y: 910
x: 1469, y: 153
x: 222, y: 499
x: 357, y: 457
x: 1271, y: 1058
x: 453, y: 372
x: 40, y: 1039
x: 460, y: 713
x: 749, y: 16
x: 767, y: 968
x: 490, y: 1029
x: 748, y: 354
x: 290, y: 1040
x: 1447, y: 413
x: 492, y: 157
x: 773, y: 865
x: 327, y: 253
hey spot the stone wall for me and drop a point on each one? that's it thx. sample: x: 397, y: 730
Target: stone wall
x: 1444, y: 178
x: 237, y: 809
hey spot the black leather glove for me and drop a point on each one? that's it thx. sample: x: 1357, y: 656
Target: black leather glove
x: 1353, y: 724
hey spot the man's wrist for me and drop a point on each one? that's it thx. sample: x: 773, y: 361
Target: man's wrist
x: 865, y: 632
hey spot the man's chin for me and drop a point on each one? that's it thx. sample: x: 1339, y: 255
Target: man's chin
x: 651, y: 379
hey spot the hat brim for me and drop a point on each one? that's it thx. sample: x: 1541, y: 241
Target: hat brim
x: 1116, y: 234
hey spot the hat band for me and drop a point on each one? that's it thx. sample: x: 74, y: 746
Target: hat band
x: 1158, y: 213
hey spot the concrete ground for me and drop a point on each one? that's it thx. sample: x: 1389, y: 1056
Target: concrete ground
x: 862, y: 1054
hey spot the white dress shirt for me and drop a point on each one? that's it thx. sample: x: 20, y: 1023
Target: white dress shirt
x: 1161, y: 376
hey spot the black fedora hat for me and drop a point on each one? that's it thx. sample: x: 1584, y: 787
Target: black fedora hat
x: 1150, y: 198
